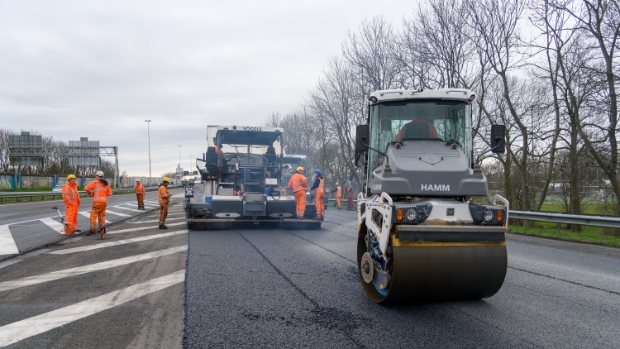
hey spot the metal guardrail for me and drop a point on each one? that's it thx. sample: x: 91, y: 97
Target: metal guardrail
x: 48, y: 194
x: 567, y: 218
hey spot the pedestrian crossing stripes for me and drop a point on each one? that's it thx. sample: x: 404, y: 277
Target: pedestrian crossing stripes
x: 26, y: 328
x: 107, y: 211
x: 126, y: 208
x: 138, y: 229
x: 157, y: 220
x: 7, y: 244
x: 60, y: 274
x: 119, y: 242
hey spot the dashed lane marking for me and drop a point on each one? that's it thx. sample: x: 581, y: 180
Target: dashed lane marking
x: 116, y: 243
x: 61, y: 274
x: 7, y: 244
x: 33, y: 326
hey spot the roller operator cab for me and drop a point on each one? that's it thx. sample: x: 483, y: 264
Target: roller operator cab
x: 420, y: 235
x: 240, y: 179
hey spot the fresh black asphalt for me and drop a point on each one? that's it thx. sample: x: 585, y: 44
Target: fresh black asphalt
x: 285, y: 288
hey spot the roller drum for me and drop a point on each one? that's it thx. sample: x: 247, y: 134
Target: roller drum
x: 440, y: 272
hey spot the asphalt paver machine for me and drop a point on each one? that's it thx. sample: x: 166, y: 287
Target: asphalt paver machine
x: 240, y: 180
x: 421, y: 236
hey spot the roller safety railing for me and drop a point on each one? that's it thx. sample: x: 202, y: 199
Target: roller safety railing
x: 48, y: 195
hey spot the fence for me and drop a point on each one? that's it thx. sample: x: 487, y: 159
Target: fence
x: 18, y: 181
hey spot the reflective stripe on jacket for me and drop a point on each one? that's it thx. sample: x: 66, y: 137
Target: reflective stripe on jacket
x: 100, y: 192
x: 298, y: 182
x: 70, y: 193
x: 321, y: 183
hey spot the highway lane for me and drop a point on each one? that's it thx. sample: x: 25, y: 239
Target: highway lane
x: 27, y: 226
x: 285, y: 288
x: 126, y: 291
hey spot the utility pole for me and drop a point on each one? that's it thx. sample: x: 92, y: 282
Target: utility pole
x: 179, y: 156
x: 148, y: 128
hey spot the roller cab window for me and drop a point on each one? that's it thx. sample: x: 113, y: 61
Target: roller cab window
x: 419, y: 120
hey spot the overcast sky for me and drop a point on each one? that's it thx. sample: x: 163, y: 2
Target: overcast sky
x: 99, y: 69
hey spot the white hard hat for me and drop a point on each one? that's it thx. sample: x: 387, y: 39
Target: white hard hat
x: 138, y: 180
x: 99, y: 173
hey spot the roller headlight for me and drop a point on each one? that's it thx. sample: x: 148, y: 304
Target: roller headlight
x: 488, y: 215
x: 411, y: 214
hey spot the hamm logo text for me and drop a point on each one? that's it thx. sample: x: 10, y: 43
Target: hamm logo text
x: 435, y: 187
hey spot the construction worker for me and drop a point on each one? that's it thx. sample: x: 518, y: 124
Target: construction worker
x: 420, y: 127
x: 139, y: 188
x: 319, y: 194
x: 164, y: 200
x: 348, y: 189
x: 338, y: 191
x: 99, y: 190
x: 71, y: 199
x: 299, y: 184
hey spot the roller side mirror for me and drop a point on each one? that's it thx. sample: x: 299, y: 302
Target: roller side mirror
x: 361, y: 138
x: 498, y: 140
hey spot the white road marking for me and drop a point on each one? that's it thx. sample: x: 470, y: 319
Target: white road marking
x: 87, y: 215
x: 33, y: 326
x: 52, y: 224
x: 126, y: 208
x: 7, y: 244
x: 116, y: 243
x: 61, y: 274
x: 141, y: 228
x: 116, y: 213
x: 22, y: 257
x: 157, y: 220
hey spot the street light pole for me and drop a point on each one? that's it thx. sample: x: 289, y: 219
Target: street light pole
x: 148, y: 128
x: 179, y: 156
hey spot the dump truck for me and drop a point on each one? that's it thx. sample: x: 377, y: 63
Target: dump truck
x: 421, y: 234
x: 241, y: 180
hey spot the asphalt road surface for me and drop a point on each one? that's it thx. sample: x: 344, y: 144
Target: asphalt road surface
x: 253, y: 287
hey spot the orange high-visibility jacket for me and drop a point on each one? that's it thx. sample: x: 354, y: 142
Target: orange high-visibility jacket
x: 139, y: 188
x: 70, y: 194
x: 164, y: 195
x: 339, y: 191
x: 100, y: 191
x: 298, y: 182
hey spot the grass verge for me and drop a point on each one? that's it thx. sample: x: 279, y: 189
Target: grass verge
x: 591, y: 235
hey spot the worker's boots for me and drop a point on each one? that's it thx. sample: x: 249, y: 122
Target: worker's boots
x: 161, y: 226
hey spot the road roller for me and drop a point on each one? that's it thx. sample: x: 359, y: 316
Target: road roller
x: 427, y: 228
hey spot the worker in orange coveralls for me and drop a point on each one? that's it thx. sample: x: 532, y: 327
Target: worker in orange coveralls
x: 139, y: 188
x: 338, y: 191
x: 99, y: 190
x: 164, y: 200
x: 71, y: 199
x: 299, y: 183
x: 319, y: 194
